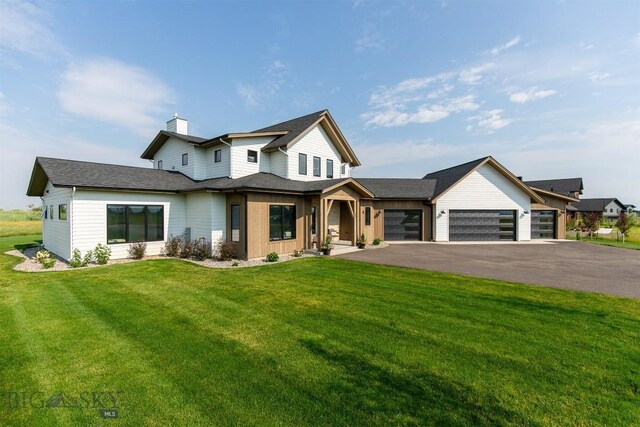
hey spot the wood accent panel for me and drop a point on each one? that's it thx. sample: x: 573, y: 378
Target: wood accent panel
x: 376, y: 229
x: 342, y: 193
x: 259, y: 244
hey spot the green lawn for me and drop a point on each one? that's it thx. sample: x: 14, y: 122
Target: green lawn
x: 313, y: 342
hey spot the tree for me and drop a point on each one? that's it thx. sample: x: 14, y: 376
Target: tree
x: 591, y: 221
x: 33, y: 212
x: 624, y: 224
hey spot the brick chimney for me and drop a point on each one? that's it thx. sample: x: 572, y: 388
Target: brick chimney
x: 178, y: 125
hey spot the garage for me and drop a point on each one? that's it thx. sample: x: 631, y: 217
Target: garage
x: 543, y: 224
x: 405, y: 224
x: 482, y: 225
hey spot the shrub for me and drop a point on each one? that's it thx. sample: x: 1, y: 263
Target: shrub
x: 76, y: 259
x: 101, y: 253
x: 173, y: 246
x: 201, y: 249
x: 88, y: 259
x: 362, y: 240
x: 377, y: 241
x: 272, y: 257
x: 137, y: 250
x: 225, y: 251
x: 42, y: 255
x: 297, y: 253
x: 48, y: 262
x: 186, y: 250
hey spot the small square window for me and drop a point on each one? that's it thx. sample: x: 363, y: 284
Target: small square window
x: 217, y: 156
x: 185, y: 159
x: 62, y: 212
x: 159, y: 164
x: 252, y: 156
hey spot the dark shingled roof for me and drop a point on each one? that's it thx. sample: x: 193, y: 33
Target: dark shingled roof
x: 294, y: 127
x: 595, y: 205
x: 72, y: 173
x: 400, y: 188
x: 445, y: 178
x: 564, y: 186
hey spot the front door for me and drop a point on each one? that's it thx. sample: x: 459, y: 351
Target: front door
x: 346, y: 222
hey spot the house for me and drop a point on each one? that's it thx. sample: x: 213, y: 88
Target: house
x: 277, y: 189
x: 571, y: 187
x: 608, y: 207
x: 549, y: 219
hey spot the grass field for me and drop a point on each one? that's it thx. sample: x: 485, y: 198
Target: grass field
x: 17, y: 222
x: 312, y: 342
x: 612, y: 239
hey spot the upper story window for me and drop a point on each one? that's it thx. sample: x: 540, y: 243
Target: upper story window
x: 62, y: 212
x: 217, y: 156
x: 329, y: 168
x: 316, y: 166
x: 252, y: 156
x: 185, y: 159
x: 343, y: 169
x: 159, y: 164
x: 302, y: 164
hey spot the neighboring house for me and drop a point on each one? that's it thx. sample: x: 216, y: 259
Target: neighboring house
x: 630, y: 209
x: 609, y: 208
x: 276, y: 189
x: 549, y: 219
x: 571, y: 187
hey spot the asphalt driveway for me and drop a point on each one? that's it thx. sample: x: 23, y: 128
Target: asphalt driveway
x: 568, y: 265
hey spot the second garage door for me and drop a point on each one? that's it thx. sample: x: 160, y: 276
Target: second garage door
x: 482, y: 225
x: 543, y: 224
x: 403, y: 224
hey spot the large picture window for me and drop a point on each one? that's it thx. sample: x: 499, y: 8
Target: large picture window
x: 134, y: 223
x: 282, y: 222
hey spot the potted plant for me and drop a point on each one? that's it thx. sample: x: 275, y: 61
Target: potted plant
x: 362, y: 241
x: 327, y: 246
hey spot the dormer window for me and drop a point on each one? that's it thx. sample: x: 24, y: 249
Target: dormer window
x: 159, y: 164
x: 252, y: 156
x: 217, y: 156
x: 185, y: 159
x: 316, y: 166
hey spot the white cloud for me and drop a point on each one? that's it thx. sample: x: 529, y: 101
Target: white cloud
x: 473, y: 75
x: 597, y: 76
x: 267, y: 85
x: 530, y: 95
x: 24, y: 28
x: 4, y: 105
x: 369, y: 40
x: 488, y: 121
x: 114, y: 92
x: 424, y: 114
x: 508, y: 45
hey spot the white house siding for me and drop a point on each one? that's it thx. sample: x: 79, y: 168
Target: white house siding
x: 239, y: 165
x: 206, y: 215
x: 316, y: 143
x: 612, y: 210
x: 213, y: 169
x: 200, y: 160
x: 56, y: 233
x: 171, y: 155
x: 90, y: 218
x: 485, y: 188
x: 279, y: 164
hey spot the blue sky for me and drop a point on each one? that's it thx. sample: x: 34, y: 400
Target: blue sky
x: 550, y: 89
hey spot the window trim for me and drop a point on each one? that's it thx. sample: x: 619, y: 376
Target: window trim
x: 217, y: 156
x: 293, y: 232
x: 235, y: 205
x: 60, y: 211
x: 319, y: 173
x: 185, y: 159
x: 329, y: 167
x: 249, y: 156
x: 126, y: 223
x: 302, y: 163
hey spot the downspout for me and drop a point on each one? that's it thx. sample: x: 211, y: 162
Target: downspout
x: 70, y: 215
x: 287, y: 168
x: 230, y: 157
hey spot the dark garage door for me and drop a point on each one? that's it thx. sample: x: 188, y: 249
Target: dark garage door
x: 402, y: 224
x: 543, y: 224
x: 482, y: 225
